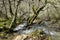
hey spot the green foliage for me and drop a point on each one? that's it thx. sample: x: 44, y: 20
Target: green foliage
x: 2, y: 19
x: 4, y: 23
x: 2, y: 34
x: 18, y: 21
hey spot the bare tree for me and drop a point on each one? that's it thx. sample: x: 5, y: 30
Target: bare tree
x: 36, y: 12
x: 13, y: 23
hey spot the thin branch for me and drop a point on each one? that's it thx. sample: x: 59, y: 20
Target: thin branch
x: 10, y: 8
x: 54, y: 7
x: 5, y: 9
x: 30, y: 20
x: 42, y: 7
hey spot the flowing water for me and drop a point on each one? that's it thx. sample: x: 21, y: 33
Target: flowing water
x: 50, y: 31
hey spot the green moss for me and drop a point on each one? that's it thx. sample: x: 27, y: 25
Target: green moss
x: 18, y: 21
x: 4, y: 23
x: 1, y: 24
x: 2, y: 34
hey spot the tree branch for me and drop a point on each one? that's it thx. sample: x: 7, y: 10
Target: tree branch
x: 13, y: 23
x: 5, y: 10
x: 10, y: 8
x: 30, y: 20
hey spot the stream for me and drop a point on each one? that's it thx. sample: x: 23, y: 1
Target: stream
x: 50, y: 31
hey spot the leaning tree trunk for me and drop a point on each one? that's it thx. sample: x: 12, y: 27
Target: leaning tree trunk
x: 31, y: 19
